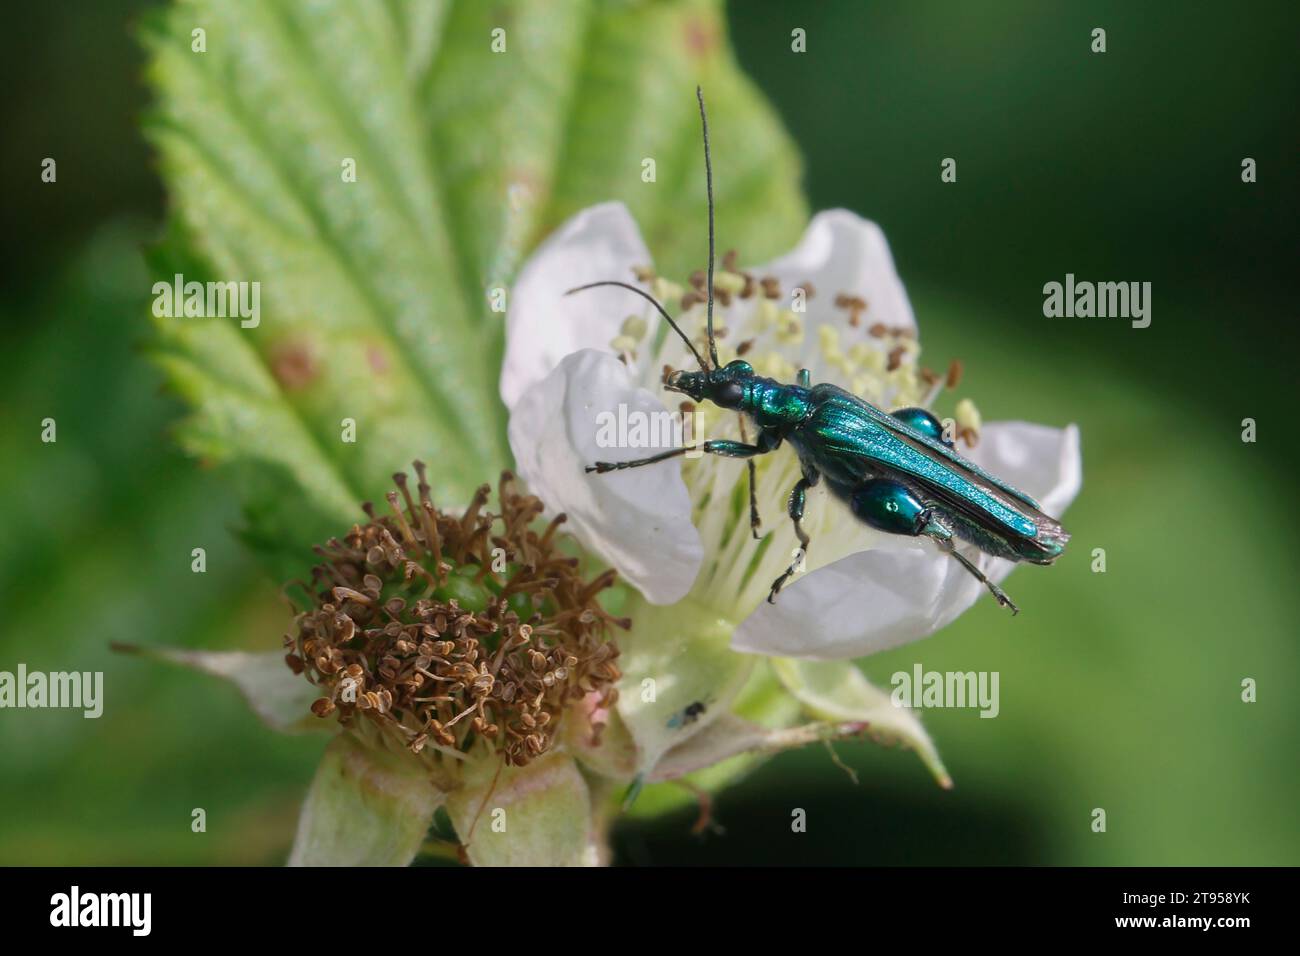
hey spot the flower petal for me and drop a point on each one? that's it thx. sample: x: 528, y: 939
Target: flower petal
x: 679, y: 675
x: 537, y: 815
x: 366, y: 807
x: 874, y: 600
x: 858, y: 605
x: 841, y: 252
x: 762, y: 702
x: 838, y: 691
x: 542, y: 324
x: 637, y: 520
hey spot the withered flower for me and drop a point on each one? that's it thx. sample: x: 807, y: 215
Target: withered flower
x: 436, y: 631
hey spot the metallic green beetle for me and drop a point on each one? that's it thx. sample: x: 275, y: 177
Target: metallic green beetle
x: 894, y: 471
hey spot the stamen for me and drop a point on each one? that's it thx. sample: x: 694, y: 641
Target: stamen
x: 399, y: 478
x: 414, y: 666
x: 968, y: 421
x: 954, y: 374
x: 407, y: 533
x: 878, y: 362
x: 730, y: 283
x: 666, y: 291
x: 789, y: 329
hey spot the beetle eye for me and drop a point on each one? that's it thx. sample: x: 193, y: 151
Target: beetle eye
x: 729, y: 394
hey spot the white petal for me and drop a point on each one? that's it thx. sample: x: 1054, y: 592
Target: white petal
x: 841, y: 252
x: 543, y: 324
x: 874, y: 600
x: 639, y: 520
x: 1041, y: 461
x: 858, y: 605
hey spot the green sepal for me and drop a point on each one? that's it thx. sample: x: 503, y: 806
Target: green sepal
x: 366, y: 807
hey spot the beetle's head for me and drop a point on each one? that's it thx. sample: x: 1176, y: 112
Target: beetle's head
x: 724, y: 387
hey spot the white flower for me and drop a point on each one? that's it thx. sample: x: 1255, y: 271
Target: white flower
x: 680, y: 530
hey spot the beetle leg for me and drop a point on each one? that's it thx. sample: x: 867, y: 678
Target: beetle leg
x: 943, y: 537
x: 754, y: 520
x: 798, y: 498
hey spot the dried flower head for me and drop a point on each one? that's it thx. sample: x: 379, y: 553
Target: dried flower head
x: 443, y: 631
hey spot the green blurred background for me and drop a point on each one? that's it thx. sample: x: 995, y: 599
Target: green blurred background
x: 1119, y: 690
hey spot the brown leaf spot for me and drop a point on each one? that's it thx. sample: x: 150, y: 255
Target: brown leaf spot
x: 293, y: 365
x: 700, y: 36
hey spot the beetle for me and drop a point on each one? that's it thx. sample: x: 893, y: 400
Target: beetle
x: 896, y: 472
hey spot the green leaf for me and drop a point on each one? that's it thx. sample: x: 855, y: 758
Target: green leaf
x: 374, y: 295
x: 366, y: 807
x: 837, y: 691
x: 279, y: 697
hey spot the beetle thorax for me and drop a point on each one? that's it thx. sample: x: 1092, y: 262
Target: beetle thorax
x: 773, y: 404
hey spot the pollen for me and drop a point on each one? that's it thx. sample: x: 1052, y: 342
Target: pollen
x: 666, y: 291
x: 634, y: 327
x: 443, y: 632
x: 774, y: 365
x: 829, y: 339
x: 906, y: 380
x: 868, y: 387
x: 968, y: 420
x: 866, y: 358
x: 789, y: 328
x: 631, y: 333
x: 731, y: 283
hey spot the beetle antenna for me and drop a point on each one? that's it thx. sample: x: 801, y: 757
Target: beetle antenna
x: 653, y: 301
x: 708, y: 183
